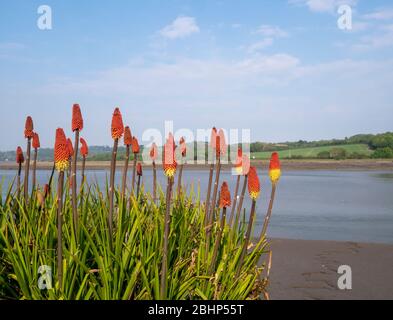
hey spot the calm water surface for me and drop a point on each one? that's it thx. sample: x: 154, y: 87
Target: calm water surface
x: 316, y: 205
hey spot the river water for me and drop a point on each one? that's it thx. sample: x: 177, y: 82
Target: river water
x: 310, y: 205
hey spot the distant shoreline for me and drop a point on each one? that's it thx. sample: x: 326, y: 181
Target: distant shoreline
x: 287, y: 165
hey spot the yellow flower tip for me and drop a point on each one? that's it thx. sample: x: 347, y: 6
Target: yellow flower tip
x: 275, y: 175
x: 170, y: 173
x: 62, y: 165
x: 254, y: 195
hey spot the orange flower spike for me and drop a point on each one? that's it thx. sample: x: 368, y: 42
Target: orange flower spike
x: 77, y: 120
x: 254, y: 187
x: 70, y: 148
x: 275, y: 168
x: 153, y: 152
x: 135, y: 145
x: 19, y: 156
x: 225, y: 196
x: 246, y: 164
x: 139, y: 169
x: 84, y: 148
x: 29, y: 127
x: 127, y: 136
x: 222, y: 148
x: 36, y: 141
x: 183, y: 147
x: 61, y: 151
x: 169, y: 160
x: 239, y: 162
x: 213, y: 138
x: 117, y: 125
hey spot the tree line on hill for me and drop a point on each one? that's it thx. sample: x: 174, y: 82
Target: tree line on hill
x: 380, y: 144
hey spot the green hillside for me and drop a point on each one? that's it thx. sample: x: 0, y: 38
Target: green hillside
x: 361, y: 149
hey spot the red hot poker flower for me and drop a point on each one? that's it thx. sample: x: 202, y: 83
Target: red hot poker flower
x: 221, y: 145
x: 153, y: 152
x: 117, y: 125
x: 246, y: 163
x: 127, y: 136
x: 225, y: 196
x: 239, y: 161
x: 275, y: 168
x: 135, y: 145
x: 169, y: 159
x: 213, y: 138
x: 36, y: 141
x: 254, y: 187
x: 62, y: 153
x: 77, y: 120
x: 29, y: 127
x: 19, y: 156
x: 70, y: 148
x: 139, y: 169
x: 84, y: 148
x: 183, y: 147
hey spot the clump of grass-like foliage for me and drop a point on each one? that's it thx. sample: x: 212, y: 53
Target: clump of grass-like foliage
x: 125, y: 264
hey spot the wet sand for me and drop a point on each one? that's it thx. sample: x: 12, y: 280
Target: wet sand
x: 287, y: 165
x: 307, y: 270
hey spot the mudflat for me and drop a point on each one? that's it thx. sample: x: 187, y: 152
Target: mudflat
x: 307, y: 270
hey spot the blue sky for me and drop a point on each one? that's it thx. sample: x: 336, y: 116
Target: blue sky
x: 280, y: 68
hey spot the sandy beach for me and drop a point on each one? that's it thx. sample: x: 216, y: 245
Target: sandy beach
x: 307, y: 270
x: 287, y: 165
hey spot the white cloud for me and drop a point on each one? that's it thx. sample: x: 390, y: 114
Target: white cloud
x: 271, y: 31
x: 181, y: 27
x: 323, y: 5
x: 381, y: 39
x: 260, y: 45
x: 380, y: 14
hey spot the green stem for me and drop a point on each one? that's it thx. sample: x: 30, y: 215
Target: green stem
x: 59, y: 229
x: 163, y: 292
x: 27, y: 170
x: 34, y: 170
x: 74, y: 184
x: 247, y: 238
x: 112, y: 187
x: 269, y: 212
x: 218, y: 241
x: 125, y: 171
x: 154, y: 181
x: 134, y: 172
x: 235, y: 200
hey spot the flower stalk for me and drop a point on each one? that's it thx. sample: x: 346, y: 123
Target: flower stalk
x: 61, y: 164
x: 20, y: 159
x: 254, y: 191
x: 77, y: 127
x: 127, y: 143
x: 153, y: 157
x: 183, y: 149
x: 29, y: 127
x: 36, y: 146
x: 169, y: 166
x: 275, y: 175
x: 117, y: 133
x: 225, y: 202
x: 135, y: 151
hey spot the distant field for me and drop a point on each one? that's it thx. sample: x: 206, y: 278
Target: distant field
x: 313, y: 152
